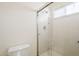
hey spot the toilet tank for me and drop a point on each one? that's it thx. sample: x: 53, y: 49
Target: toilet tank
x: 19, y: 50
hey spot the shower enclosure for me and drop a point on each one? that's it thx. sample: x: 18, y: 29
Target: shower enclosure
x: 58, y: 30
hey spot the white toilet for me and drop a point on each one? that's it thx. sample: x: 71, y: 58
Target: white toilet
x: 20, y: 50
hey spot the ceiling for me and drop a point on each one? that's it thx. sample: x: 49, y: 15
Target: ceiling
x: 34, y: 5
x: 31, y: 5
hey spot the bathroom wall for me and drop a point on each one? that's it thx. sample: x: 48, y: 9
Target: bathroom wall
x: 52, y: 8
x: 65, y: 34
x: 17, y: 26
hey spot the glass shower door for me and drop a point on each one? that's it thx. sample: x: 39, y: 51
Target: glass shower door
x: 44, y: 48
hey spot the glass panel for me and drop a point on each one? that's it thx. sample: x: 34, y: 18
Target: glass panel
x: 43, y: 34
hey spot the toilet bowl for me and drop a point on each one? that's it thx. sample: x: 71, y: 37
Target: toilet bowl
x: 19, y: 50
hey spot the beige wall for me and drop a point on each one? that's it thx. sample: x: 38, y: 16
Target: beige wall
x: 17, y: 26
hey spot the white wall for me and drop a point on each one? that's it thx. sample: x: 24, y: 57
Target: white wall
x: 65, y: 35
x: 65, y: 31
x: 17, y: 26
